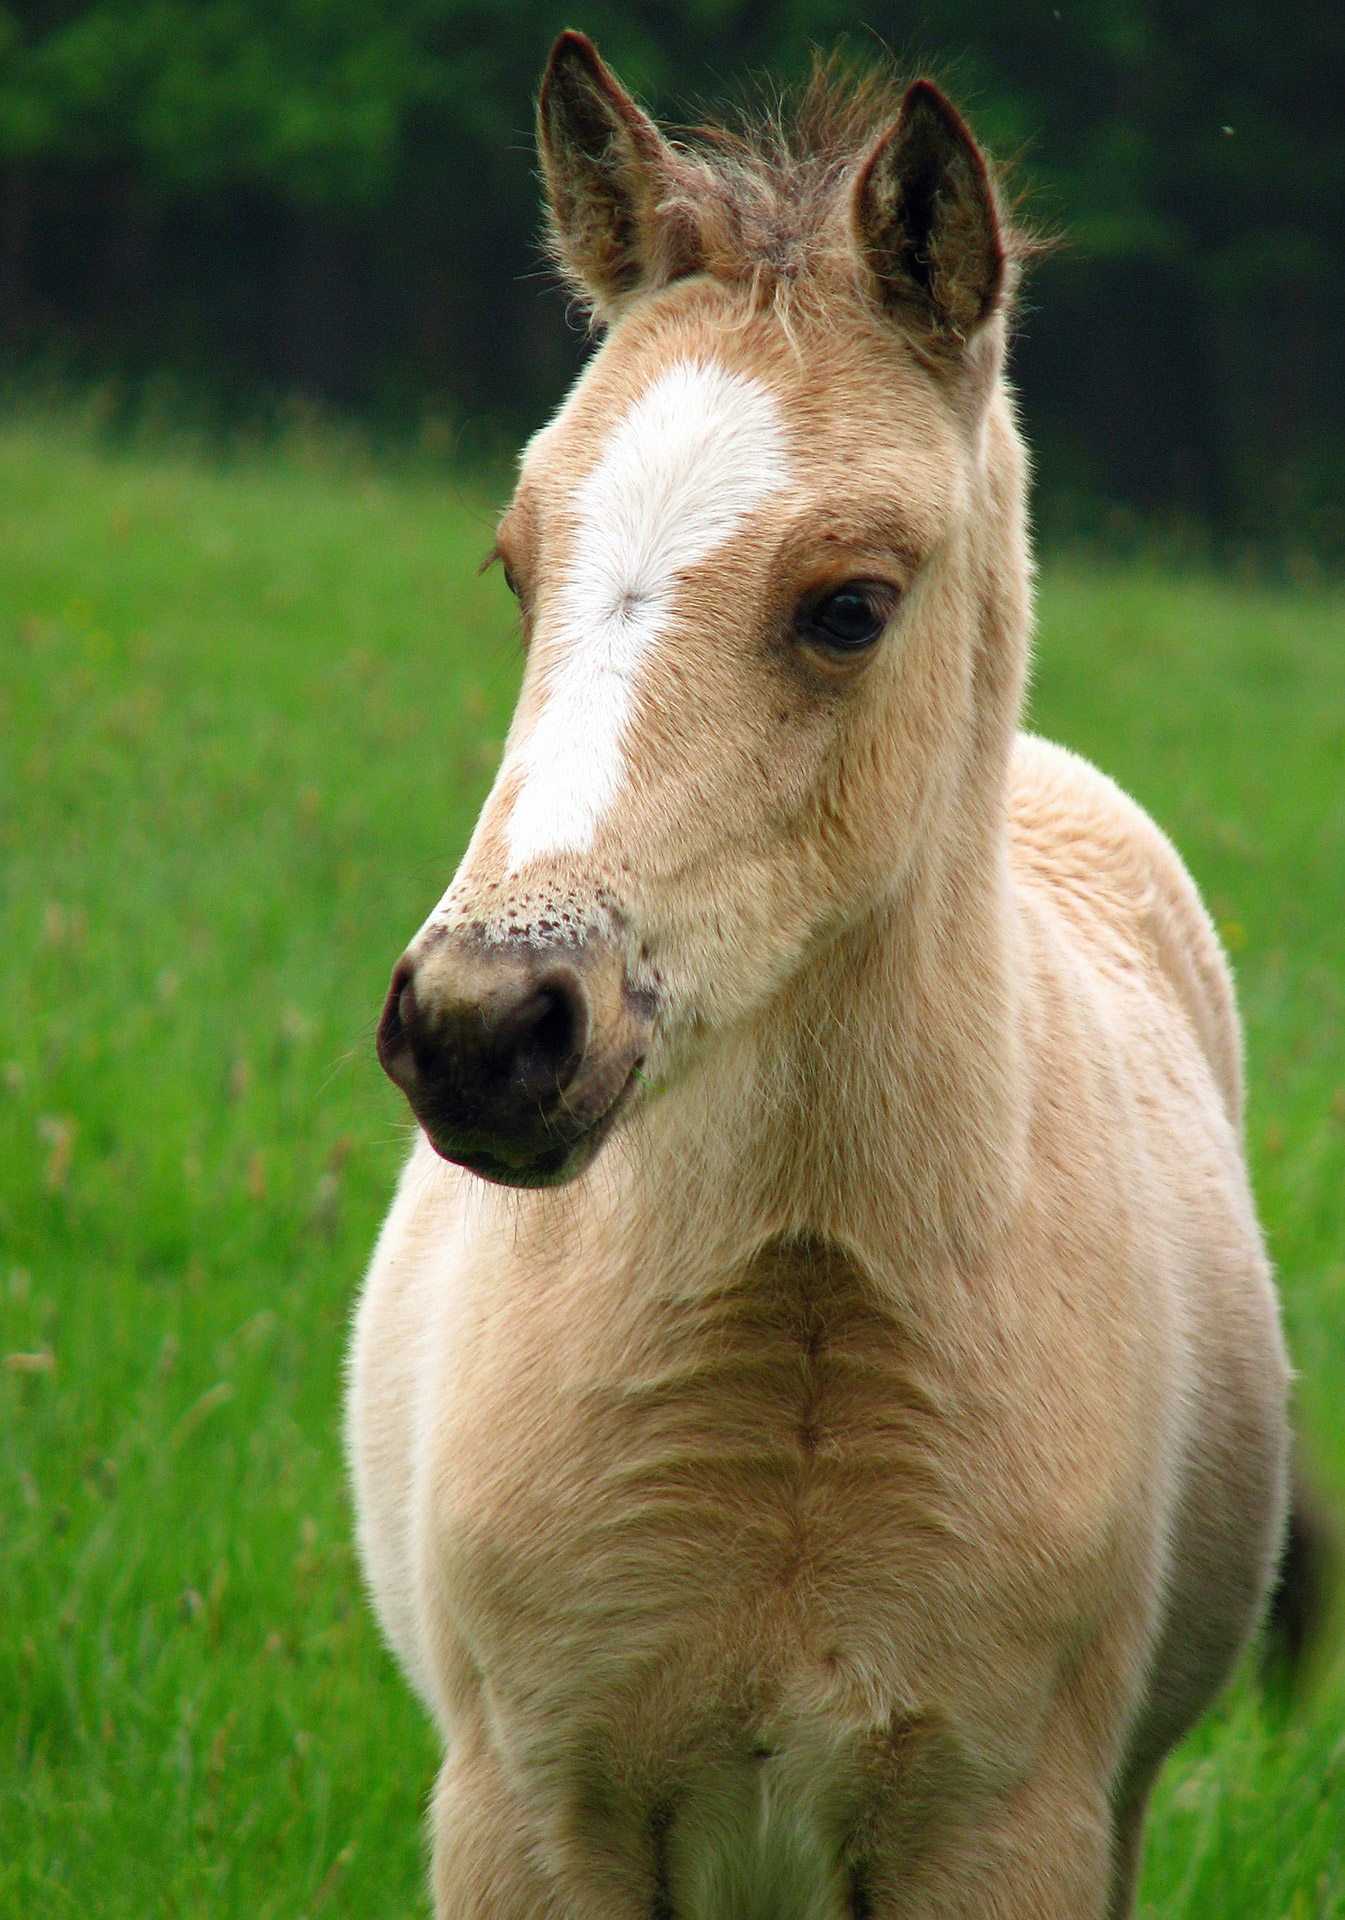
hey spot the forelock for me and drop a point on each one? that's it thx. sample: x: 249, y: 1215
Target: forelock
x: 759, y: 200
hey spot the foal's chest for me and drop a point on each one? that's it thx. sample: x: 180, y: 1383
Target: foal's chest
x: 703, y: 1519
x: 726, y: 1576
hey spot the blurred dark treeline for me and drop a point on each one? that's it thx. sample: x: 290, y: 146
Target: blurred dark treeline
x: 337, y: 198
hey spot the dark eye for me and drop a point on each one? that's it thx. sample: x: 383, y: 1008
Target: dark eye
x: 846, y: 621
x: 510, y: 582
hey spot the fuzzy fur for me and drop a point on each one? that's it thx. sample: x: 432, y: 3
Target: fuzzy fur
x: 835, y: 1503
x: 697, y: 451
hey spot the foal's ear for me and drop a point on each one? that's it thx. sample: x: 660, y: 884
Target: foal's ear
x: 926, y: 224
x: 606, y: 167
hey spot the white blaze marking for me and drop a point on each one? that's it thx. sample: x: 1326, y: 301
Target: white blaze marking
x: 695, y: 454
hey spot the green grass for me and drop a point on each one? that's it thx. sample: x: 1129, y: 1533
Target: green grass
x: 246, y: 719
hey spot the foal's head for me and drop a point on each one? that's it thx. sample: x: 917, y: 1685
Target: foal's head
x: 771, y: 570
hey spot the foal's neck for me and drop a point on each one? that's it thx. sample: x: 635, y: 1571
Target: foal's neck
x: 910, y: 1051
x: 879, y: 1101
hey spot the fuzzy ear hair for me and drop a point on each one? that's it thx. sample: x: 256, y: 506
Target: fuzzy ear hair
x: 926, y: 224
x: 606, y: 167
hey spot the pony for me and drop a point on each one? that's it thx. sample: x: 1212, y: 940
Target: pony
x: 817, y: 1410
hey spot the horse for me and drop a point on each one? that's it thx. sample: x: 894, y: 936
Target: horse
x: 817, y: 1409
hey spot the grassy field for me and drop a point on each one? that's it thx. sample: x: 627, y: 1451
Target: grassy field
x: 246, y: 720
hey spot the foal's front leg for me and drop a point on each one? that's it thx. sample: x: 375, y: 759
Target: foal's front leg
x: 1044, y: 1853
x: 490, y: 1862
x: 484, y: 1867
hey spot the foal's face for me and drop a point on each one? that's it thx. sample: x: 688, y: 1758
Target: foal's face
x: 743, y: 674
x: 752, y: 561
x: 718, y: 555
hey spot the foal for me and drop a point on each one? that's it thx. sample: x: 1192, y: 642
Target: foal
x: 854, y: 1453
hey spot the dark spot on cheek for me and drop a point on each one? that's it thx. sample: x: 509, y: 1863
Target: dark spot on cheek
x: 811, y: 1414
x: 660, y: 1820
x: 861, y: 1904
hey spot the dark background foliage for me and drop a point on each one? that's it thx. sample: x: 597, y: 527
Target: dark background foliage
x: 336, y: 198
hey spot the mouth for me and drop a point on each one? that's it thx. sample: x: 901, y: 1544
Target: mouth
x: 550, y: 1163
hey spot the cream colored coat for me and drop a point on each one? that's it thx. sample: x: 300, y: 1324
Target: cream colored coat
x: 836, y: 1500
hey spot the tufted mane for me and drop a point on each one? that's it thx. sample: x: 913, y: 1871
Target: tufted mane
x: 760, y: 198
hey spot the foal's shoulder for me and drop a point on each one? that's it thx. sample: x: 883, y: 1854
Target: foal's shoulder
x: 1118, y: 881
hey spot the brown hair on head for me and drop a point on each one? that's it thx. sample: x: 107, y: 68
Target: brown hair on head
x: 769, y: 201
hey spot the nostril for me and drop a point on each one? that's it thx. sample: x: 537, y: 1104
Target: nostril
x: 399, y: 1014
x: 545, y: 1038
x: 405, y: 1007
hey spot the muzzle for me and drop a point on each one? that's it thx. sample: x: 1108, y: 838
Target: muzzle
x: 516, y: 1055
